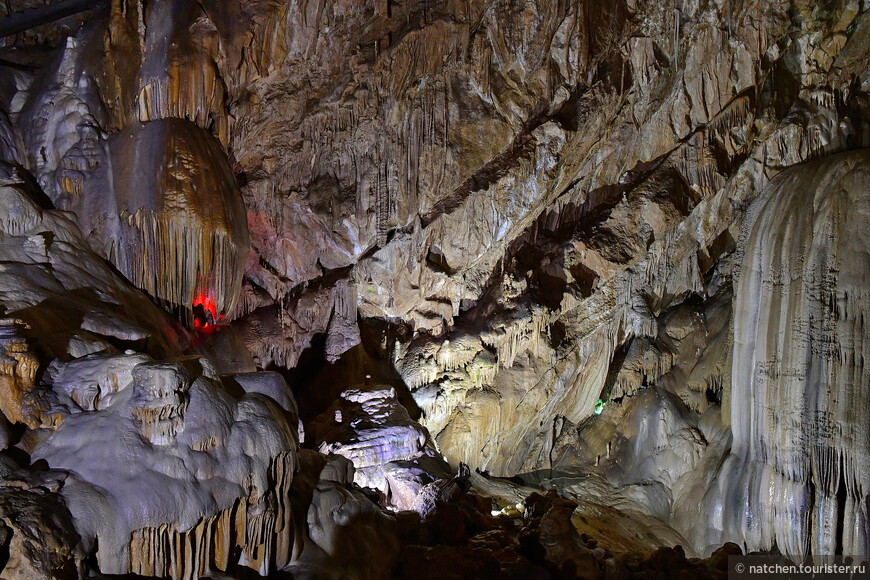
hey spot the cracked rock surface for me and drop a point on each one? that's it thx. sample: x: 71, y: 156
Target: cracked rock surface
x: 274, y: 275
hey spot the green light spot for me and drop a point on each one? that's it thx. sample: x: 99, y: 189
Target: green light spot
x: 599, y: 406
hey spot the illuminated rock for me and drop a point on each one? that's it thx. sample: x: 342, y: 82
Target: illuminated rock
x: 390, y: 452
x: 800, y: 467
x: 531, y: 214
x: 197, y: 468
x: 18, y: 366
x: 93, y: 381
x: 71, y: 301
x: 181, y: 233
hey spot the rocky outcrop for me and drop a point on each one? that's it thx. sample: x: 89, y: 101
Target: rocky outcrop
x: 158, y: 199
x: 612, y: 249
x: 199, y: 475
x: 542, y: 541
x: 37, y: 533
x: 67, y: 299
x: 622, y: 244
x: 17, y: 374
x: 180, y: 232
x: 347, y: 535
x: 390, y: 452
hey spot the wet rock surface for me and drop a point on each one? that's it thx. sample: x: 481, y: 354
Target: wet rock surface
x: 606, y: 262
x: 391, y: 453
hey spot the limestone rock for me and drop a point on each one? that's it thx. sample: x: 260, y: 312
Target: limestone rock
x: 67, y: 296
x: 612, y: 249
x: 92, y: 381
x: 37, y: 530
x: 441, y: 491
x: 348, y: 536
x: 390, y: 452
x: 17, y: 374
x: 158, y: 199
x: 181, y: 233
x: 798, y: 380
x: 550, y: 535
x: 197, y: 468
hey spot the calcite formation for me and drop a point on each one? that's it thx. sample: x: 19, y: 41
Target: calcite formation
x: 17, y: 372
x: 181, y: 232
x: 348, y: 536
x: 158, y: 198
x: 92, y: 381
x: 69, y: 301
x: 389, y: 451
x: 36, y: 529
x: 799, y: 384
x: 614, y: 251
x: 200, y: 468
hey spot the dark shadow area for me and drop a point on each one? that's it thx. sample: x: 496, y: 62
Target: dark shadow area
x: 52, y: 323
x: 539, y: 476
x: 316, y: 383
x: 842, y: 496
x: 303, y: 377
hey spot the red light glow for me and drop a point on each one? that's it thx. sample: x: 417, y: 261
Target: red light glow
x: 205, y: 316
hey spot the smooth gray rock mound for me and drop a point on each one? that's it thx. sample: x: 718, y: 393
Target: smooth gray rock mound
x: 173, y: 475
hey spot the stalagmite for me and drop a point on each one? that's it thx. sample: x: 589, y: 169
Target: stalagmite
x: 390, y: 452
x: 18, y: 367
x: 208, y: 475
x: 262, y: 529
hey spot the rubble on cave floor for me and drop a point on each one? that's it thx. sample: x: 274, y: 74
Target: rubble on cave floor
x: 356, y: 290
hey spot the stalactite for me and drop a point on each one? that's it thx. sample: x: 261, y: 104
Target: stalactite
x: 262, y: 529
x: 179, y: 76
x: 518, y: 336
x: 738, y: 113
x: 799, y: 398
x: 182, y: 232
x: 21, y: 215
x: 178, y: 261
x: 382, y: 206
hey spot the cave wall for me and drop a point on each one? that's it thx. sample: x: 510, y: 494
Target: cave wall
x: 799, y: 385
x: 544, y: 209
